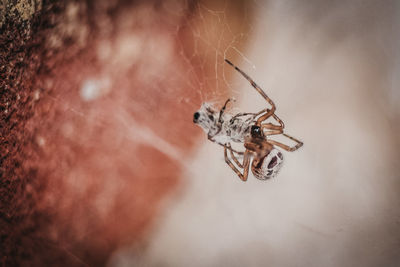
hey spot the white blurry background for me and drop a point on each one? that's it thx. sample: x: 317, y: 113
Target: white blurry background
x: 332, y: 68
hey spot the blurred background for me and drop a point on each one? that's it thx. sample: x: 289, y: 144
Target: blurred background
x: 101, y: 164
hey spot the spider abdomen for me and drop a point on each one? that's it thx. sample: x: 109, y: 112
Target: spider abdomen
x: 269, y: 166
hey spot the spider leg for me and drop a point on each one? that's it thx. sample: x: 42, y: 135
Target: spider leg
x: 237, y: 152
x: 234, y: 157
x: 259, y: 90
x: 265, y: 116
x: 282, y: 125
x: 299, y: 143
x: 246, y: 163
x: 274, y: 129
x: 286, y: 147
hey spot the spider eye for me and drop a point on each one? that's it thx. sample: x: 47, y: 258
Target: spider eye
x: 255, y: 131
x: 196, y: 116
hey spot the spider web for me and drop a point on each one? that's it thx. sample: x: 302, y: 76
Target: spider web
x: 201, y: 47
x: 314, y: 69
x: 135, y: 91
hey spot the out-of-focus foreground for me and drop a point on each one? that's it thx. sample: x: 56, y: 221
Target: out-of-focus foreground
x: 102, y: 165
x: 96, y: 107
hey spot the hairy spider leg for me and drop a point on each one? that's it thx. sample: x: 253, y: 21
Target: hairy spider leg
x: 286, y: 147
x: 246, y: 163
x: 259, y: 90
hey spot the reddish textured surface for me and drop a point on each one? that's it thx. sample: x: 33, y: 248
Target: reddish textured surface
x: 76, y: 179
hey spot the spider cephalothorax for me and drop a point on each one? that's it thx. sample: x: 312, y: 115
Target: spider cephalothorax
x: 250, y: 129
x: 256, y: 132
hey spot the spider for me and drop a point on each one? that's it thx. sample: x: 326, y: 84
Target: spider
x: 250, y: 129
